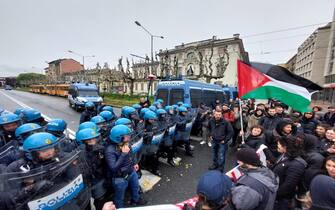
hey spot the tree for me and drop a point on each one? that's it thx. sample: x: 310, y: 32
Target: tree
x: 127, y: 75
x: 26, y: 79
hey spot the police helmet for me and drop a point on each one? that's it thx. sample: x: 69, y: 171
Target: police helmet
x: 156, y: 104
x: 175, y: 107
x: 86, y: 134
x: 123, y: 110
x: 57, y: 125
x: 9, y: 118
x: 143, y: 111
x: 160, y: 111
x: 89, y: 104
x: 98, y: 119
x: 150, y: 115
x: 107, y: 108
x: 161, y: 101
x: 107, y: 115
x: 19, y: 111
x: 91, y: 125
x: 25, y: 130
x: 118, y: 132
x: 180, y: 103
x: 168, y: 108
x: 38, y: 142
x: 153, y: 108
x: 123, y: 121
x: 182, y: 109
x: 136, y: 106
x: 30, y: 115
x: 129, y: 111
x: 188, y: 106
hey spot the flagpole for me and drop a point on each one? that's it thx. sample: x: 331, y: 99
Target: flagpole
x: 241, y: 120
x: 240, y: 102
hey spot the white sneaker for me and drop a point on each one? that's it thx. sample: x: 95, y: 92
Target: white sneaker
x: 209, y: 144
x: 203, y: 142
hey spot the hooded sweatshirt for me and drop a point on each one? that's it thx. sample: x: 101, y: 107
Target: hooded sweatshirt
x: 256, y: 189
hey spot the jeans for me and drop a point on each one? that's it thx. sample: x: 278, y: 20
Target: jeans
x: 121, y: 184
x: 219, y: 154
x: 205, y: 134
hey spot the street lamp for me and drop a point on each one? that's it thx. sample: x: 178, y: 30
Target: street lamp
x: 152, y: 43
x: 83, y: 56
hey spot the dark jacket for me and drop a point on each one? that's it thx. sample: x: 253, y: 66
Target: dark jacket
x: 220, y: 130
x: 119, y: 164
x: 95, y: 158
x: 308, y: 125
x: 254, y: 141
x: 290, y: 172
x: 261, y: 182
x: 269, y: 122
x: 86, y: 115
x: 325, y: 144
x: 329, y: 118
x: 10, y: 152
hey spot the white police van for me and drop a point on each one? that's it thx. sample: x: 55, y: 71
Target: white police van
x: 80, y: 93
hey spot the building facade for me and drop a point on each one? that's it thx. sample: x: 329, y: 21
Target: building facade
x: 311, y: 56
x: 329, y: 70
x: 107, y: 80
x: 212, y: 61
x: 59, y: 67
x: 290, y: 64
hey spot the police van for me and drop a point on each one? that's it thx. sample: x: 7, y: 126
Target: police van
x: 189, y: 91
x: 80, y: 93
x: 231, y: 92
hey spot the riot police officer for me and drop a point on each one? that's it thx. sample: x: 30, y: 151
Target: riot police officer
x: 57, y: 127
x: 110, y: 109
x: 42, y: 162
x: 88, y: 113
x: 132, y: 114
x: 110, y: 119
x: 121, y: 166
x: 89, y: 124
x: 94, y: 155
x: 33, y: 116
x: 8, y: 124
x: 137, y: 107
x: 182, y: 135
x: 168, y: 141
x: 11, y: 151
x: 150, y: 149
x: 164, y: 147
x: 101, y: 123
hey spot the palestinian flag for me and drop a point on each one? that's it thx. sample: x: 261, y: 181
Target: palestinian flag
x: 264, y: 81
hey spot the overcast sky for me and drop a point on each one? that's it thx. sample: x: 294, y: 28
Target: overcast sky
x: 35, y: 31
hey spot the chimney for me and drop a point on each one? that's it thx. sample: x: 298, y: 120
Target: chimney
x: 236, y: 36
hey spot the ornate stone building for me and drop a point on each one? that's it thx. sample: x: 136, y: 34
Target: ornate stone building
x: 212, y: 60
x: 108, y: 80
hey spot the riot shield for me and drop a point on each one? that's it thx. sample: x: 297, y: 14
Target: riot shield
x: 10, y: 147
x: 61, y: 184
x: 158, y: 137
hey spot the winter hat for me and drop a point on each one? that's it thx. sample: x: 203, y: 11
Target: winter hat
x: 322, y: 192
x: 248, y: 156
x: 214, y: 185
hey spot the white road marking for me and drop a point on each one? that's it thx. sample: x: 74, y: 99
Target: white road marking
x: 47, y: 118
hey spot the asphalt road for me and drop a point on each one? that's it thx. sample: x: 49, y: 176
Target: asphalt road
x: 177, y: 184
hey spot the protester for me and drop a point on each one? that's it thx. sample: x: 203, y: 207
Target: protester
x: 257, y: 188
x: 322, y: 193
x: 270, y: 121
x: 289, y: 167
x: 220, y: 132
x: 256, y: 138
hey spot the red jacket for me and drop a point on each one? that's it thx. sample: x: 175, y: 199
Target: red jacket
x: 229, y: 116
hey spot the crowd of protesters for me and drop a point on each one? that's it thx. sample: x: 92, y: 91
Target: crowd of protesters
x: 299, y: 172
